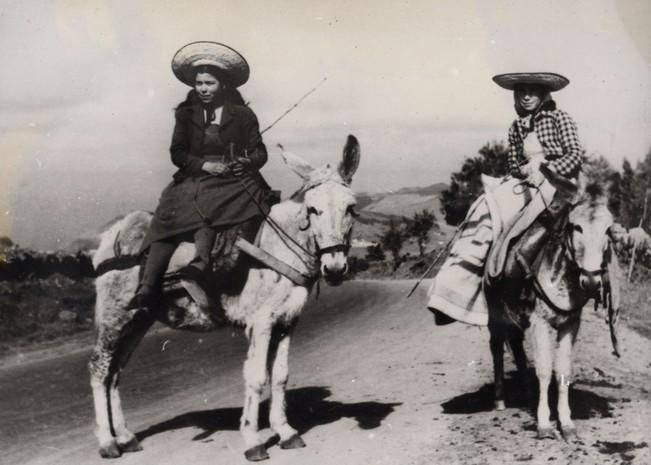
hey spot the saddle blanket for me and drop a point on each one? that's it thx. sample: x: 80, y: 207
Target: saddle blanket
x: 457, y: 289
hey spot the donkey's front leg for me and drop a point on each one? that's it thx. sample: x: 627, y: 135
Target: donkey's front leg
x: 543, y: 360
x: 566, y: 338
x: 289, y: 438
x: 255, y: 379
x: 126, y: 440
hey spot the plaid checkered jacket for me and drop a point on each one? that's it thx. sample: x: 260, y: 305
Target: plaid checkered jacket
x: 557, y: 133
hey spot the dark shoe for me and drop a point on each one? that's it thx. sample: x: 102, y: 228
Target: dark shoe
x: 143, y: 300
x: 440, y: 318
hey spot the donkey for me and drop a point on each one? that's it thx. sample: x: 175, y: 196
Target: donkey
x: 311, y: 232
x: 576, y: 264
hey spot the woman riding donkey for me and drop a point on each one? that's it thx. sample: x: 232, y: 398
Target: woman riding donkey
x: 218, y: 149
x: 544, y: 160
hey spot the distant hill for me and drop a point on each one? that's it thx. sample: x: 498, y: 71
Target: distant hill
x: 377, y: 210
x: 368, y: 201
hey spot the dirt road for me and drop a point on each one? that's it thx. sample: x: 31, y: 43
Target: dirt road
x: 373, y: 381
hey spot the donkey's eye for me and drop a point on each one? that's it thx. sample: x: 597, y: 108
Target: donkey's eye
x: 351, y: 211
x: 577, y: 228
x: 313, y: 211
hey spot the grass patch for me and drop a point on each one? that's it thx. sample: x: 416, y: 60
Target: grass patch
x: 41, y: 310
x: 636, y: 301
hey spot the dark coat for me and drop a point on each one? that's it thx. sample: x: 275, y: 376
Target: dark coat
x: 194, y: 198
x: 238, y: 126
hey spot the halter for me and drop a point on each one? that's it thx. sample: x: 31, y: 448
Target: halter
x: 313, y: 266
x: 343, y: 246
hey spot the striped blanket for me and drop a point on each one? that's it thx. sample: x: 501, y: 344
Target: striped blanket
x: 457, y: 289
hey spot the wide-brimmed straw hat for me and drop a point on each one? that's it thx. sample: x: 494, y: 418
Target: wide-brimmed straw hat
x: 233, y: 65
x: 552, y: 81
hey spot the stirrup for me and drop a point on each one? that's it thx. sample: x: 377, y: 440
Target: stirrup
x: 145, y: 301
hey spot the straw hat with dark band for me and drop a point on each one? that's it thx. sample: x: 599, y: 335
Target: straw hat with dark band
x: 195, y: 54
x: 552, y: 81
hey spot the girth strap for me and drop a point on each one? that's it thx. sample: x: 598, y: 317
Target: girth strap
x: 123, y: 262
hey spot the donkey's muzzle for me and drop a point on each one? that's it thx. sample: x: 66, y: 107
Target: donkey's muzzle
x: 591, y: 282
x: 334, y: 266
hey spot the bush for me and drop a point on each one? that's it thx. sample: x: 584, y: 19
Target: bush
x: 375, y: 253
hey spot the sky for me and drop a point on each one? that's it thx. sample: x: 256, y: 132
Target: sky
x: 87, y: 93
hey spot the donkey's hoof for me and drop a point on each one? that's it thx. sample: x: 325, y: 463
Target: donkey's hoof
x: 110, y: 451
x: 131, y: 446
x: 257, y: 453
x: 569, y: 432
x: 546, y: 433
x: 500, y: 405
x: 294, y: 442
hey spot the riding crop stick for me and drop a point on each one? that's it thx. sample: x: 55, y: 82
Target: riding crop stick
x: 298, y: 102
x: 436, y: 259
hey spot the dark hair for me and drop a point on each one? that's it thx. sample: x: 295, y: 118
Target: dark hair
x: 543, y: 88
x: 213, y: 71
x: 228, y: 93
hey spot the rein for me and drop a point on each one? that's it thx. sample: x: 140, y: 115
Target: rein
x: 313, y: 267
x: 569, y: 253
x: 284, y: 234
x: 563, y: 237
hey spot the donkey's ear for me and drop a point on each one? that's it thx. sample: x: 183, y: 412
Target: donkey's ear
x: 350, y: 162
x: 296, y: 163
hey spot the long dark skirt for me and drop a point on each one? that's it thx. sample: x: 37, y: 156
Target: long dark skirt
x: 210, y: 200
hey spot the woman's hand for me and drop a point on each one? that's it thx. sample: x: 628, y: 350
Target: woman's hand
x: 523, y: 171
x: 241, y: 166
x: 531, y: 170
x: 215, y: 167
x: 535, y: 176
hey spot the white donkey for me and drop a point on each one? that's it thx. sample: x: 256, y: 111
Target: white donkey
x: 310, y: 232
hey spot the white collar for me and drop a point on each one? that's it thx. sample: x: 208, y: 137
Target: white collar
x: 218, y: 115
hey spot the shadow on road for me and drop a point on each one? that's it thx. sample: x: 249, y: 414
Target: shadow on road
x: 306, y: 408
x: 584, y: 404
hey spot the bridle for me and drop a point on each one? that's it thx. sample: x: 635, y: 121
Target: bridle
x: 570, y: 253
x: 343, y: 246
x: 312, y: 261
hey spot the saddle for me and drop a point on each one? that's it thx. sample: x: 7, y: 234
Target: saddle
x: 228, y: 271
x: 542, y: 209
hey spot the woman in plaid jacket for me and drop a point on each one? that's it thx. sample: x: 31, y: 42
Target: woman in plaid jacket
x: 553, y: 128
x: 542, y: 138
